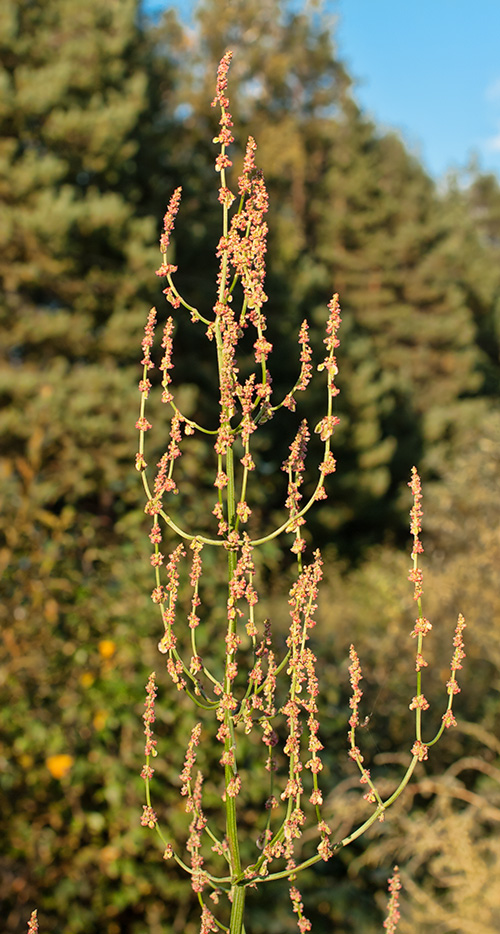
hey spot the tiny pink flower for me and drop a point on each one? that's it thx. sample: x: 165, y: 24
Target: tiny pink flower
x: 166, y: 269
x: 168, y: 220
x: 243, y: 511
x: 158, y: 595
x: 326, y: 426
x: 419, y: 750
x: 419, y: 703
x: 221, y: 480
x: 208, y: 923
x: 234, y: 786
x: 420, y: 662
x: 142, y: 424
x: 393, y: 914
x: 149, y: 818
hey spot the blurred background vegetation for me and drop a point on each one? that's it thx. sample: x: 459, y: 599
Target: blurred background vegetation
x: 103, y: 113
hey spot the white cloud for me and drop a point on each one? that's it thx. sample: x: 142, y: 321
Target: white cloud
x: 492, y: 92
x: 493, y: 143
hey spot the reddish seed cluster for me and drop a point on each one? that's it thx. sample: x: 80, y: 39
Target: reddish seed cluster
x: 149, y: 818
x: 240, y: 588
x: 295, y: 463
x: 168, y: 222
x: 416, y: 513
x: 456, y: 663
x: 190, y: 759
x: 33, y: 923
x: 415, y: 575
x: 243, y: 511
x: 458, y: 643
x: 175, y: 669
x: 166, y: 362
x: 419, y: 703
x: 306, y: 367
x: 249, y: 168
x: 243, y: 249
x: 302, y: 695
x: 305, y: 357
x: 149, y: 718
x: 331, y: 342
x: 422, y: 627
x: 247, y: 248
x: 233, y: 786
x: 171, y: 297
x: 303, y: 923
x: 142, y: 424
x: 163, y: 481
x: 247, y: 398
x: 326, y: 427
x: 208, y: 923
x: 158, y: 594
x: 222, y: 528
x: 147, y: 341
x: 194, y: 577
x: 140, y: 462
x: 329, y: 465
x: 325, y: 849
x: 420, y: 750
x: 155, y: 533
x: 167, y: 642
x: 295, y: 467
x: 221, y: 86
x: 449, y: 719
x: 226, y: 197
x: 196, y: 828
x: 355, y: 676
x: 393, y: 914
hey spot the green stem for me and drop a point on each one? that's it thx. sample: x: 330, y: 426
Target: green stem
x: 231, y: 497
x: 238, y: 893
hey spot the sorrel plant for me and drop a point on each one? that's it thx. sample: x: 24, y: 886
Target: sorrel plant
x: 274, y: 688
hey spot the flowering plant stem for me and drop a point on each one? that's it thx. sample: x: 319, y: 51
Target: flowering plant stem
x: 249, y: 699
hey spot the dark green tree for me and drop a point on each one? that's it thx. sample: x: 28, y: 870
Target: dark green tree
x: 77, y: 238
x: 77, y: 241
x: 474, y: 205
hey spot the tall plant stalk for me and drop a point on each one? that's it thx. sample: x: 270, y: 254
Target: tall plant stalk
x: 272, y: 690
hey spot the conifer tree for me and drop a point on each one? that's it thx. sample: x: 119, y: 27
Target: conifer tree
x: 474, y: 206
x: 75, y: 238
x: 77, y: 244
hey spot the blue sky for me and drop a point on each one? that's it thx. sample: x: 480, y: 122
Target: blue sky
x: 429, y: 68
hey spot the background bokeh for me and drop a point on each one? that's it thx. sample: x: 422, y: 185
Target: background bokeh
x: 103, y: 113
